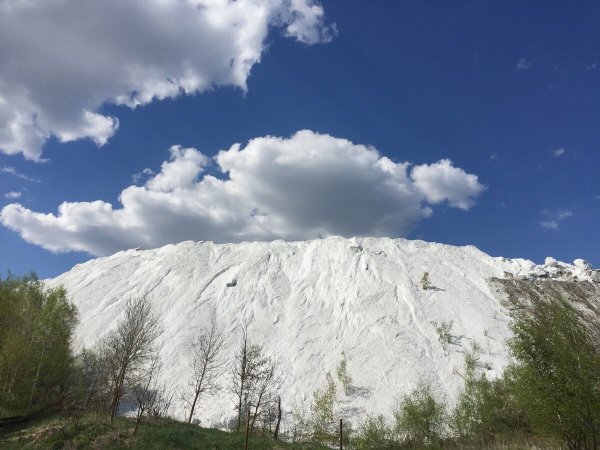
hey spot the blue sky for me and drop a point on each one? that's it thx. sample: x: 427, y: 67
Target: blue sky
x: 508, y: 91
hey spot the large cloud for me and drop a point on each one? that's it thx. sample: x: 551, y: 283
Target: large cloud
x: 61, y: 60
x: 307, y: 186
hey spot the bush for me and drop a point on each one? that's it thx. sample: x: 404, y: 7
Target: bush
x: 376, y: 434
x: 485, y: 408
x: 556, y: 378
x: 343, y: 376
x: 421, y: 418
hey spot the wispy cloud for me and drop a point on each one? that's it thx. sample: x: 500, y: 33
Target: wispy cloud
x: 13, y: 195
x: 142, y: 176
x: 554, y: 218
x: 14, y: 172
x: 558, y: 152
x: 524, y: 64
x: 495, y: 157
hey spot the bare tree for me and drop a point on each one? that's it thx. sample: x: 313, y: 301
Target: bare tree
x: 242, y: 373
x: 131, y: 346
x: 206, y: 365
x: 144, y: 390
x: 266, y: 379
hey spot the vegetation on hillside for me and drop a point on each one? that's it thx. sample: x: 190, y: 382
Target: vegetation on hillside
x: 51, y: 398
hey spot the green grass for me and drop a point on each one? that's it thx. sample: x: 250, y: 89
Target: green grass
x: 95, y: 432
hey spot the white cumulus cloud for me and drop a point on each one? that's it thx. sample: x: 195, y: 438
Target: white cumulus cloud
x: 61, y: 60
x: 442, y: 181
x: 302, y: 187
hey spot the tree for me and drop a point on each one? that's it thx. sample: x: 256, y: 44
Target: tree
x: 145, y: 391
x: 485, y: 408
x: 343, y: 376
x: 36, y: 330
x: 131, y: 346
x: 556, y: 377
x: 322, y: 420
x: 254, y: 377
x: 206, y: 365
x: 421, y: 417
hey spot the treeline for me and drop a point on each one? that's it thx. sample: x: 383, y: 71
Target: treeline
x: 548, y: 396
x: 36, y: 362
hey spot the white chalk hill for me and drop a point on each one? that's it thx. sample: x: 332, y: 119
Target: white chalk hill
x: 306, y: 302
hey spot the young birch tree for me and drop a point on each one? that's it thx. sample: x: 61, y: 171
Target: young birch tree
x: 253, y: 378
x: 206, y: 365
x: 131, y: 346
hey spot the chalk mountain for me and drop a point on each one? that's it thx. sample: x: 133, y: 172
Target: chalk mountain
x: 307, y: 302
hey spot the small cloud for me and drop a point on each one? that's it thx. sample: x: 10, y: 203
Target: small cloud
x: 524, y: 64
x: 554, y: 218
x: 593, y: 66
x: 12, y: 171
x: 558, y: 152
x: 549, y: 225
x: 137, y: 178
x: 13, y: 195
x: 495, y: 157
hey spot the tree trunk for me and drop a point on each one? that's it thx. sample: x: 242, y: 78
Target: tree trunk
x: 247, y: 429
x: 193, y: 407
x: 278, y: 418
x: 37, y: 376
x: 139, y: 419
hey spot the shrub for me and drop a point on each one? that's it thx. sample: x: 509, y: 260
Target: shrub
x: 343, y: 376
x: 376, y: 434
x: 485, y: 408
x: 556, y: 378
x: 421, y: 418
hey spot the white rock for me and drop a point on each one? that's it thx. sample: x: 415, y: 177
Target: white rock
x: 582, y: 264
x: 550, y: 262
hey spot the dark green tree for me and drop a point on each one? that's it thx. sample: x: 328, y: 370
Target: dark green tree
x: 485, y: 409
x: 36, y: 329
x: 556, y: 378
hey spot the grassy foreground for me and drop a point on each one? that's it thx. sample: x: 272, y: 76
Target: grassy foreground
x: 95, y: 432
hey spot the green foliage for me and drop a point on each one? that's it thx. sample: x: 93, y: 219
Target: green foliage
x: 485, y: 408
x: 95, y: 431
x: 421, y: 418
x: 556, y: 378
x: 323, y: 420
x: 444, y: 332
x: 343, y: 376
x: 376, y: 434
x: 36, y: 326
x: 425, y: 281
